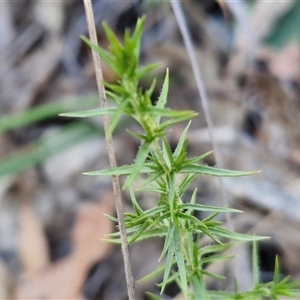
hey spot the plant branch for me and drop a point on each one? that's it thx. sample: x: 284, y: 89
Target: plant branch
x: 202, y: 92
x: 110, y: 148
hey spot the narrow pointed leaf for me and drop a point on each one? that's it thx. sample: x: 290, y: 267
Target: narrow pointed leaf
x: 139, y: 162
x: 104, y: 54
x: 142, y: 71
x: 153, y: 274
x: 214, y: 248
x: 169, y: 263
x: 162, y: 100
x: 124, y: 170
x: 151, y: 233
x: 142, y: 137
x: 176, y: 120
x: 236, y: 236
x: 196, y: 159
x: 115, y: 44
x: 117, y: 116
x: 215, y: 258
x: 172, y: 189
x: 150, y: 212
x: 168, y: 240
x: 113, y: 88
x: 135, y: 204
x: 199, y: 287
x: 190, y: 210
x: 137, y: 234
x: 168, y: 113
x: 255, y: 264
x: 276, y: 271
x: 150, y: 91
x: 152, y: 296
x: 181, y: 141
x: 214, y: 171
x: 184, y: 185
x: 90, y: 113
x: 137, y: 35
x: 201, y: 207
x: 167, y: 153
x: 179, y: 254
x: 112, y: 218
x: 214, y: 275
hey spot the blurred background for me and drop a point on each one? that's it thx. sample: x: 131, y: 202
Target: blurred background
x: 51, y: 216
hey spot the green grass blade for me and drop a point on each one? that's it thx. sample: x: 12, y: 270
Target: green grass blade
x: 42, y: 112
x: 48, y: 146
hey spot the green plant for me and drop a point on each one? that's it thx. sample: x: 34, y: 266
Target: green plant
x: 270, y: 290
x: 165, y: 172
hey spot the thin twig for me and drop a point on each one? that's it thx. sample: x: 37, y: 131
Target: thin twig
x: 110, y: 148
x: 202, y: 92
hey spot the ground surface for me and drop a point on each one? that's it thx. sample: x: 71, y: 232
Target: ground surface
x: 51, y: 216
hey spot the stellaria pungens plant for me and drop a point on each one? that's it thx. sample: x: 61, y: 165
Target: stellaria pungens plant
x: 171, y: 218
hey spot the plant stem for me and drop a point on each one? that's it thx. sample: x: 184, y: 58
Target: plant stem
x: 110, y: 148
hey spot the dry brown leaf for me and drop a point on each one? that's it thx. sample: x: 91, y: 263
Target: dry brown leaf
x: 64, y: 279
x: 5, y: 282
x: 92, y: 226
x: 33, y: 249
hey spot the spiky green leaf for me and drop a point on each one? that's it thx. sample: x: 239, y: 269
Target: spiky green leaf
x: 90, y: 113
x: 205, y: 170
